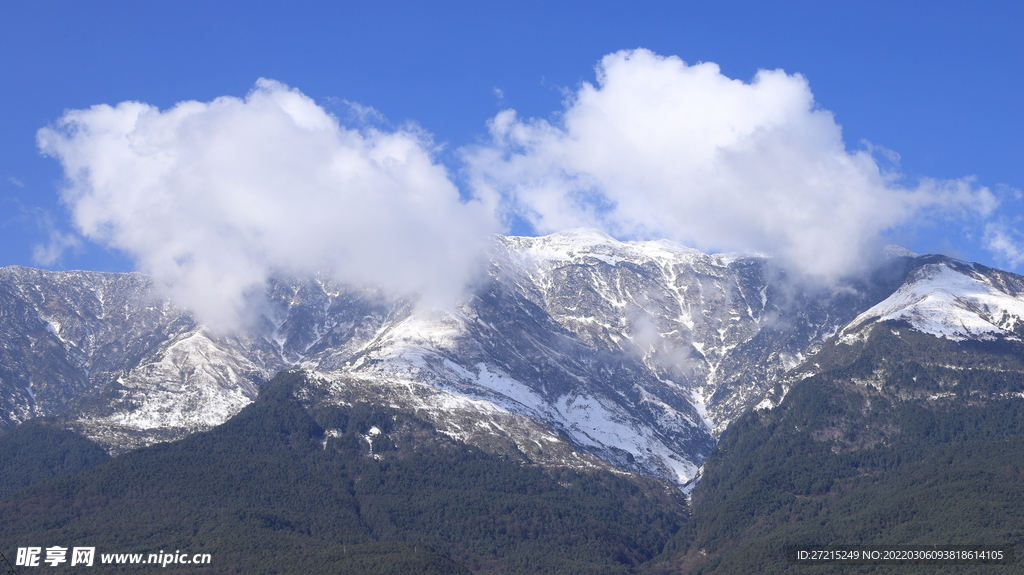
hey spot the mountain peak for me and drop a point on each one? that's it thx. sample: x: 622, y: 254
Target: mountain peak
x: 639, y: 353
x: 952, y: 299
x: 587, y: 242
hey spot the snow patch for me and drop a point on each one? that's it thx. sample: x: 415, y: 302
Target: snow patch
x: 594, y: 424
x: 697, y: 400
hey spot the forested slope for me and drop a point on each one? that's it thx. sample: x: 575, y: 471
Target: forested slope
x: 901, y: 439
x: 277, y: 489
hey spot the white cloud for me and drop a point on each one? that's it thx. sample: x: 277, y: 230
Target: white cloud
x: 1005, y: 243
x: 58, y: 242
x: 659, y: 148
x: 51, y: 252
x: 212, y: 198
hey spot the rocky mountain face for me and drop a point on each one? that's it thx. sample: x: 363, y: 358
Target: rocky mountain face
x: 920, y: 400
x: 573, y: 349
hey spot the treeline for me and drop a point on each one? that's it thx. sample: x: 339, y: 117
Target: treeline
x: 264, y: 493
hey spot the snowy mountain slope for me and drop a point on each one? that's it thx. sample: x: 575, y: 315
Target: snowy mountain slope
x: 189, y: 384
x: 475, y: 421
x: 637, y: 353
x: 952, y: 299
x: 66, y: 334
x: 128, y: 368
x: 721, y: 328
x: 501, y: 349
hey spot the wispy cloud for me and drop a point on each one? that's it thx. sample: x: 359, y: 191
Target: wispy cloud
x: 1006, y: 243
x: 51, y: 252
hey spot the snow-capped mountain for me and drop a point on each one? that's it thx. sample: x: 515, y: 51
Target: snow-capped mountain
x: 955, y: 300
x: 574, y: 348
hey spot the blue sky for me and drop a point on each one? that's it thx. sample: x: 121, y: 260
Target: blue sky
x: 938, y: 83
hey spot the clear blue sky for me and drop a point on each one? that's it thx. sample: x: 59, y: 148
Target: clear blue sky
x: 940, y: 83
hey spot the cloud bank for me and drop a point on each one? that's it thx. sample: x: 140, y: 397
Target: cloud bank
x: 662, y: 149
x: 213, y: 198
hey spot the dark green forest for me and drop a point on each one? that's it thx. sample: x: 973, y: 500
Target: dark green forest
x: 904, y: 439
x: 35, y: 451
x: 262, y: 493
x: 899, y: 438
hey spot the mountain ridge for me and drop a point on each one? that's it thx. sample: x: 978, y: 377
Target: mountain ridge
x: 637, y: 353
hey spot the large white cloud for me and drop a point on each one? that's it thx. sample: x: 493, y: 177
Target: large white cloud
x: 659, y: 148
x: 212, y: 198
